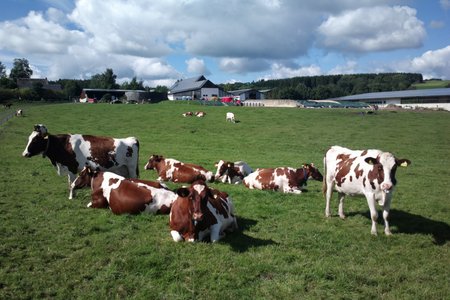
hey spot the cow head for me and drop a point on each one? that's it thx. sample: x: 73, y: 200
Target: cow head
x: 153, y: 162
x: 223, y: 167
x: 84, y: 178
x: 313, y: 172
x: 197, y: 194
x: 384, y: 168
x: 37, y: 141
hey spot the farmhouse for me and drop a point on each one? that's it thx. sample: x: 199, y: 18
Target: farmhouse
x: 195, y: 88
x: 426, y: 98
x: 246, y: 94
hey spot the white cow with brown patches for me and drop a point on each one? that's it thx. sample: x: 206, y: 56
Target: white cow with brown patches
x: 361, y: 172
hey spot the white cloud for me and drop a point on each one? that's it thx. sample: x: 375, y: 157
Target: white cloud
x: 197, y: 66
x: 432, y: 64
x: 242, y: 65
x: 282, y: 71
x: 369, y: 29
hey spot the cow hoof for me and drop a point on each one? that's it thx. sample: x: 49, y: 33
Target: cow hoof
x: 374, y: 233
x: 387, y: 232
x: 342, y: 217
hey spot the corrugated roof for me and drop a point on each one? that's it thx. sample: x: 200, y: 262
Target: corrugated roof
x: 398, y: 94
x: 188, y: 84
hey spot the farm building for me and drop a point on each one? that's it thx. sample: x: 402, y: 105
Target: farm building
x: 246, y: 94
x: 93, y: 95
x: 426, y: 98
x: 272, y: 103
x: 195, y: 88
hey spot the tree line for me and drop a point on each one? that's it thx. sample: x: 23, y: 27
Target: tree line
x: 330, y: 86
x: 70, y: 88
x: 301, y: 88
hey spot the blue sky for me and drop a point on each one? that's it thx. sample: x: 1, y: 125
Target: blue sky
x: 227, y: 41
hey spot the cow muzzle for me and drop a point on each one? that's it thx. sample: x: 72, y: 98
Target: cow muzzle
x: 386, y: 187
x: 26, y: 154
x: 197, y: 217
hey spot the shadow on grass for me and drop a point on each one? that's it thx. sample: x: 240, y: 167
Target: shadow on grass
x: 408, y: 223
x: 240, y: 242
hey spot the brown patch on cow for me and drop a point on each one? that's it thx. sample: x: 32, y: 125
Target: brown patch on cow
x: 343, y: 168
x: 364, y: 153
x: 102, y: 150
x: 113, y: 181
x: 376, y: 174
x: 129, y: 198
x: 358, y: 172
x: 351, y: 178
x: 59, y: 150
x: 364, y: 181
x: 266, y: 179
x: 163, y: 210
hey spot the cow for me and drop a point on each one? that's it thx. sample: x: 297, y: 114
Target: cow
x: 125, y: 195
x: 282, y: 179
x: 230, y: 117
x: 200, y: 114
x: 176, y: 171
x: 232, y: 172
x: 199, y: 212
x: 69, y: 153
x: 361, y: 172
x: 19, y: 113
x: 188, y: 113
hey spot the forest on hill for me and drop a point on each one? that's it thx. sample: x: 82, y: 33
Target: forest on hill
x: 330, y: 86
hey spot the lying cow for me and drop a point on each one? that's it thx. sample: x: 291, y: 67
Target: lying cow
x: 125, y: 195
x: 200, y: 114
x: 199, y: 212
x: 232, y: 172
x: 188, y: 113
x: 69, y: 153
x: 230, y: 117
x: 176, y: 171
x: 283, y: 179
x: 370, y: 173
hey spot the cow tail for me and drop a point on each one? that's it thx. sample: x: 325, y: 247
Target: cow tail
x: 137, y: 158
x: 324, y: 181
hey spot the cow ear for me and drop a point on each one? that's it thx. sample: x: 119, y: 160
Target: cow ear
x: 312, y: 165
x: 371, y: 160
x: 403, y: 162
x: 216, y: 164
x: 183, y: 192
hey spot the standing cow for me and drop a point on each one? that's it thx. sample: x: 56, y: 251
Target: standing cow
x: 125, y: 195
x: 176, y: 171
x: 199, y: 212
x: 230, y: 117
x: 69, y: 153
x: 361, y: 172
x: 283, y: 179
x: 232, y: 172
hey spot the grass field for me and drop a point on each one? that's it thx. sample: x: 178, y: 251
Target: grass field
x: 285, y: 248
x: 432, y: 84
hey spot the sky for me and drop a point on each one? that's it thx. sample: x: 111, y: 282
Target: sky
x: 227, y: 41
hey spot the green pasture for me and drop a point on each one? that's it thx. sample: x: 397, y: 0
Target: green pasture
x: 432, y: 84
x: 285, y: 248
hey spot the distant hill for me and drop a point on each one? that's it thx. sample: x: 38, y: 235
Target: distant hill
x: 331, y: 86
x: 432, y: 84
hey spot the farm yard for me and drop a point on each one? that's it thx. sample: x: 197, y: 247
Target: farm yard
x: 285, y: 248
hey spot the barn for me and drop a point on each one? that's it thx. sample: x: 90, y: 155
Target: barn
x: 195, y: 88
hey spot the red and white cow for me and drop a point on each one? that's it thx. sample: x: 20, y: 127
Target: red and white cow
x: 199, y: 212
x: 200, y: 114
x: 188, y: 113
x: 125, y: 195
x: 176, y: 171
x: 283, y: 179
x: 361, y: 172
x: 69, y: 153
x: 232, y: 172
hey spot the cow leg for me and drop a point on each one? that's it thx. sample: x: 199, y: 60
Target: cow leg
x: 341, y: 205
x: 373, y: 212
x: 386, y: 208
x: 71, y: 178
x: 176, y: 236
x: 328, y: 194
x: 215, y: 233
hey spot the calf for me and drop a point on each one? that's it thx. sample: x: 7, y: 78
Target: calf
x: 370, y: 173
x: 232, y: 172
x: 69, y: 153
x: 200, y: 114
x: 283, y: 179
x: 230, y: 117
x: 199, y: 212
x: 124, y: 195
x: 176, y: 171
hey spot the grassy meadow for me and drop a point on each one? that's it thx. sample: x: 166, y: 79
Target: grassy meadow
x: 285, y: 248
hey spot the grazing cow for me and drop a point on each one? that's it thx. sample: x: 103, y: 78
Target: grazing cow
x: 199, y: 212
x: 125, y: 195
x: 230, y: 117
x: 69, y: 153
x: 19, y: 113
x: 200, y: 114
x: 176, y: 171
x: 232, y: 172
x: 283, y: 179
x: 370, y: 173
x: 188, y: 113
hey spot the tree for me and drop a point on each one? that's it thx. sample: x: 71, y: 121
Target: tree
x: 133, y: 85
x: 2, y: 70
x: 106, y: 80
x: 20, y: 69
